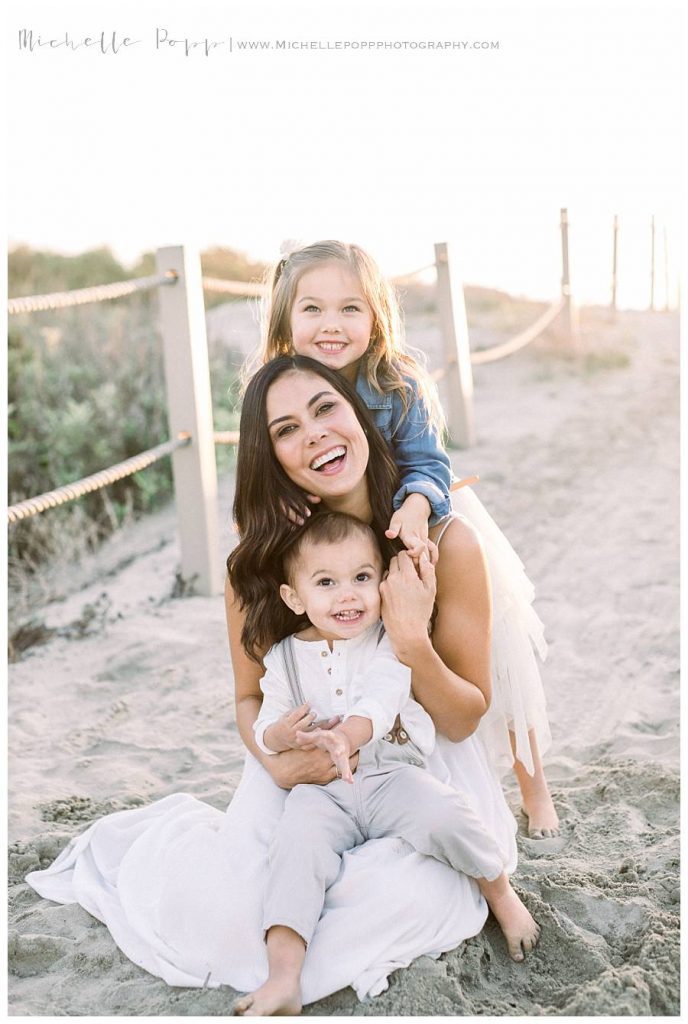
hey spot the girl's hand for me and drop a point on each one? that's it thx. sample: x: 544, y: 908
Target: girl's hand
x: 410, y: 524
x: 294, y: 516
x: 337, y: 746
x: 408, y: 598
x: 299, y: 767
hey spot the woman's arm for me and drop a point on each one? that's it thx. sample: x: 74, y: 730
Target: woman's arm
x: 293, y: 766
x: 451, y: 671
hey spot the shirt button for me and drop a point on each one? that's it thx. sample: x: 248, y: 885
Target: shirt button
x: 323, y: 654
x: 339, y: 692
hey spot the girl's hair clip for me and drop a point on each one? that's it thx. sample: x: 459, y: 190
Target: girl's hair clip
x: 289, y: 246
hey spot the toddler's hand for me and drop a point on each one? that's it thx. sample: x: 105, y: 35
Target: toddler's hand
x: 281, y: 735
x: 410, y: 524
x: 293, y: 516
x: 335, y: 743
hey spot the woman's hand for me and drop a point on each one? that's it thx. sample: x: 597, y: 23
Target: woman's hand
x: 408, y: 598
x: 298, y: 767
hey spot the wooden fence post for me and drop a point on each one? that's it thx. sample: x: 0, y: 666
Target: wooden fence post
x: 614, y: 261
x: 569, y: 313
x: 189, y: 407
x: 456, y: 385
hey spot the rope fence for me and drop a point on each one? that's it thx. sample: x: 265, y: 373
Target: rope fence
x: 95, y: 482
x: 249, y: 289
x: 490, y: 355
x: 69, y: 492
x: 83, y: 296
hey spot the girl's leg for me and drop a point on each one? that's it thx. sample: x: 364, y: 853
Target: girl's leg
x: 521, y: 931
x: 281, y: 994
x: 543, y: 822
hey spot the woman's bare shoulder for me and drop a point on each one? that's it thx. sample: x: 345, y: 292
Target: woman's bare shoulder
x: 461, y: 569
x: 459, y: 540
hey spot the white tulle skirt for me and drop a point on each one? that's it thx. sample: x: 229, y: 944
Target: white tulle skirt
x: 179, y: 884
x: 518, y: 699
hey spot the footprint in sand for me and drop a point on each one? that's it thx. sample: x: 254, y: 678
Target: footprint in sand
x: 32, y: 954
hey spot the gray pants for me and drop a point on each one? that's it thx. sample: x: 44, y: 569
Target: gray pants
x: 388, y: 798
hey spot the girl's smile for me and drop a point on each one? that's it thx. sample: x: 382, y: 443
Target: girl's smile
x: 331, y: 320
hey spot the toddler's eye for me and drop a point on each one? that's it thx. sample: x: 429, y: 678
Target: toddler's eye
x: 310, y: 308
x: 362, y: 577
x: 324, y: 582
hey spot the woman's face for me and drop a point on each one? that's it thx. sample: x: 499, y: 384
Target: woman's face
x: 316, y: 436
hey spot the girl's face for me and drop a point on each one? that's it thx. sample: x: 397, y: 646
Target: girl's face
x: 331, y: 320
x: 317, y: 438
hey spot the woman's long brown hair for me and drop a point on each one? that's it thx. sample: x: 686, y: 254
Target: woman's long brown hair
x: 264, y: 492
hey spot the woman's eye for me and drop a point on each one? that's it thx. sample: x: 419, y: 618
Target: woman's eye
x: 355, y: 309
x: 310, y: 308
x: 326, y: 406
x: 286, y: 429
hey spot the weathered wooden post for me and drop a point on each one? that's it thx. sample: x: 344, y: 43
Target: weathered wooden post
x: 189, y: 408
x: 569, y: 313
x: 456, y: 384
x: 652, y: 264
x: 614, y: 262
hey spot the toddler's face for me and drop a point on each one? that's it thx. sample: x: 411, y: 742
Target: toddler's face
x: 331, y: 320
x: 337, y: 586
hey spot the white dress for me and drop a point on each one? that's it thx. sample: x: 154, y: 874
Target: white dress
x: 518, y: 698
x: 179, y: 885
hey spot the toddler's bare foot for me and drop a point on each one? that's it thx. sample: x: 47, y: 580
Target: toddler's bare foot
x: 276, y: 998
x: 521, y: 930
x: 543, y: 821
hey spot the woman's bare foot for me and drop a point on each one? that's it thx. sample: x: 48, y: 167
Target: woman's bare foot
x: 276, y: 998
x: 520, y: 928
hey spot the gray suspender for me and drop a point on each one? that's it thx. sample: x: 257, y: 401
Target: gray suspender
x: 292, y: 669
x: 292, y: 672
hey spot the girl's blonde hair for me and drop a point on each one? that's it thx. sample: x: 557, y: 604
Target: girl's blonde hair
x: 387, y: 361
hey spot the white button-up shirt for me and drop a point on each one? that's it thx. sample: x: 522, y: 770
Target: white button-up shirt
x: 357, y: 677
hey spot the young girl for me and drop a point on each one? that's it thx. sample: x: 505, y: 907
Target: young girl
x: 330, y: 301
x: 341, y: 663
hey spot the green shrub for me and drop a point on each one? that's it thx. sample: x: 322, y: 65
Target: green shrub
x: 85, y: 391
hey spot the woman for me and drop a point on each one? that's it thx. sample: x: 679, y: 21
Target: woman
x: 178, y: 883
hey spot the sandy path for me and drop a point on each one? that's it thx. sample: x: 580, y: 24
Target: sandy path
x: 580, y: 468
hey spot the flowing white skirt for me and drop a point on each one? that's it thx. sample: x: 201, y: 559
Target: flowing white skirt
x: 518, y: 699
x: 179, y: 884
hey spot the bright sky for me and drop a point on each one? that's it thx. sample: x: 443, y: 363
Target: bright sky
x: 392, y: 148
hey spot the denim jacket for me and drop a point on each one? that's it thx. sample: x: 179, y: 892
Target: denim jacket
x: 423, y: 464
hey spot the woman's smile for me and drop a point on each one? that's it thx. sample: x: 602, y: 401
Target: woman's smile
x: 331, y: 462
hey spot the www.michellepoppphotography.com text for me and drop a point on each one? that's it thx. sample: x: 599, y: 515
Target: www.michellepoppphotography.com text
x: 161, y: 40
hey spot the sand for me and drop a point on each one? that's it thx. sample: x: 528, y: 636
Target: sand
x: 130, y: 699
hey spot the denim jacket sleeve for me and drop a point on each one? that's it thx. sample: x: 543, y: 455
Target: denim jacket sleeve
x: 424, y: 465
